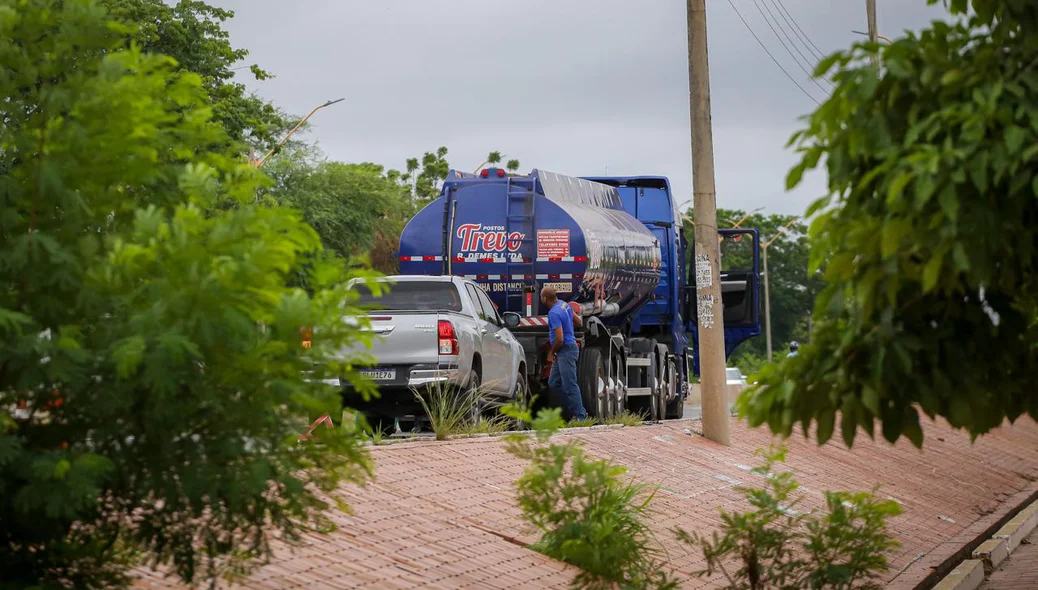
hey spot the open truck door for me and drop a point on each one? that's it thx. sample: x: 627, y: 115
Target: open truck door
x: 740, y: 289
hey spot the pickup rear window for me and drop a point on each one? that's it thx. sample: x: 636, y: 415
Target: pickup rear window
x: 412, y: 296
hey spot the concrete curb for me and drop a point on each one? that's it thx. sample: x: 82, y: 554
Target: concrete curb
x: 986, y: 558
x: 927, y: 570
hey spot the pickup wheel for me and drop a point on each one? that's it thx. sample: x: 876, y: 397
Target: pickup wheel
x: 473, y: 397
x: 592, y: 377
x: 522, y: 397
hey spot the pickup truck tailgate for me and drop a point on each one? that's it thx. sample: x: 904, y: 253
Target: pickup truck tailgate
x: 405, y: 322
x: 405, y: 338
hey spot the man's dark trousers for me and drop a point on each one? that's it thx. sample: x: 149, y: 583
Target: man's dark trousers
x: 563, y: 381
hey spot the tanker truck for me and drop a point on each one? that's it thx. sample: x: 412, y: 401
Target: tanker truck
x: 614, y: 248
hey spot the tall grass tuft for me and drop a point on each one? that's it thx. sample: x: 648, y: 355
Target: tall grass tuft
x: 454, y: 410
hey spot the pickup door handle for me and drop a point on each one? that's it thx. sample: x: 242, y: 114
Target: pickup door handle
x: 482, y: 330
x: 498, y: 336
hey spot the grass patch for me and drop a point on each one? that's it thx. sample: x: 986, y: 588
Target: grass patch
x: 627, y: 418
x: 488, y: 425
x: 586, y: 422
x: 375, y: 434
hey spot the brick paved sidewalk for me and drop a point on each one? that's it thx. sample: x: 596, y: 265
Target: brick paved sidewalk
x: 442, y: 515
x: 1020, y: 572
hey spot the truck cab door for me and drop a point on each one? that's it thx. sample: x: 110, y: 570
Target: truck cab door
x: 740, y: 287
x: 740, y: 278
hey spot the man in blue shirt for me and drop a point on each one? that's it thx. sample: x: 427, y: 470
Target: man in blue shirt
x: 563, y: 354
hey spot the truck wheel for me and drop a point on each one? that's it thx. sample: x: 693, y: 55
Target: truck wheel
x: 654, y: 407
x: 591, y: 376
x: 617, y: 403
x: 647, y: 406
x: 664, y: 378
x: 676, y: 408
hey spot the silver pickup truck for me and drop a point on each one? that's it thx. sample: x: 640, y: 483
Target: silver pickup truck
x: 436, y: 330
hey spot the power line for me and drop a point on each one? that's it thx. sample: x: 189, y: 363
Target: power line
x: 810, y: 61
x: 786, y: 47
x: 765, y: 48
x: 818, y: 52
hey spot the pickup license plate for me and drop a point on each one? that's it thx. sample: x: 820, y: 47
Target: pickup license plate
x: 380, y: 374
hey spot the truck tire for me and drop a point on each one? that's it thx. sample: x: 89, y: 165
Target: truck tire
x: 591, y: 376
x: 664, y: 378
x: 646, y: 405
x: 676, y: 408
x: 617, y: 403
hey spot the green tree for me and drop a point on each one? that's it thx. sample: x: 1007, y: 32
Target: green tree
x: 425, y: 176
x: 151, y: 373
x: 353, y: 207
x: 191, y: 32
x: 931, y: 230
x: 495, y: 158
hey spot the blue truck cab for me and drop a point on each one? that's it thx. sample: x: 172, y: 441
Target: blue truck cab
x: 671, y: 312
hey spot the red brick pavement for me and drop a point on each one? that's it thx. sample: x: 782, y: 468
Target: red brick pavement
x: 1020, y: 572
x: 442, y: 515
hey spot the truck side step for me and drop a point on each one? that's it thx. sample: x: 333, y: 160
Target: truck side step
x: 639, y: 391
x: 639, y: 362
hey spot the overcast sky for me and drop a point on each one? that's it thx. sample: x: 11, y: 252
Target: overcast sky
x: 579, y: 87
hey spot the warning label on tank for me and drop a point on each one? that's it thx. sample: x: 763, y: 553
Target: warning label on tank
x: 552, y: 243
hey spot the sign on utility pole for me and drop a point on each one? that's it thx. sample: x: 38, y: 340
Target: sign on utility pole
x: 709, y: 312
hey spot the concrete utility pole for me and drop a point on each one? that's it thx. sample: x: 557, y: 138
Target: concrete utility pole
x: 870, y: 12
x: 708, y: 251
x: 767, y: 282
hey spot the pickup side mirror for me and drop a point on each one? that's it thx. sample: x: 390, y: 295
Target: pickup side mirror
x: 512, y: 319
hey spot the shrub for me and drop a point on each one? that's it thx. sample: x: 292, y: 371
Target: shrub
x: 777, y: 547
x: 585, y: 514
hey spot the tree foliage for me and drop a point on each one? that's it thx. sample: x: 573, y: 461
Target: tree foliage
x: 425, y: 175
x: 191, y: 32
x: 931, y: 229
x: 353, y: 207
x: 151, y: 375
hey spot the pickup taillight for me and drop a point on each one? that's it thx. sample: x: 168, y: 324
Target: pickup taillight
x: 448, y: 339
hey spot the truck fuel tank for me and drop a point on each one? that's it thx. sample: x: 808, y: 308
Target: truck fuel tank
x: 516, y: 234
